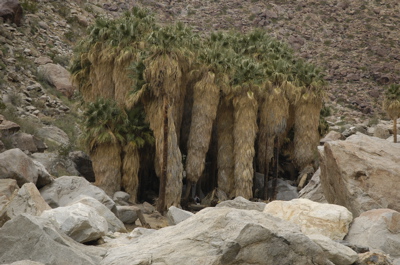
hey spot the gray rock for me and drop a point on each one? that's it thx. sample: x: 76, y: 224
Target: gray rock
x: 221, y: 236
x: 332, y: 136
x: 28, y: 237
x: 54, y: 135
x: 15, y: 164
x: 241, y: 203
x: 25, y: 200
x: 127, y: 214
x: 59, y: 77
x: 25, y: 262
x: 8, y: 127
x: 176, y: 215
x: 313, y: 190
x: 44, y: 177
x: 64, y: 190
x: 24, y: 141
x: 114, y: 224
x: 284, y: 191
x: 336, y: 252
x: 7, y: 187
x: 121, y: 198
x: 381, y: 131
x: 377, y: 229
x: 79, y: 221
x: 55, y: 164
x: 361, y: 173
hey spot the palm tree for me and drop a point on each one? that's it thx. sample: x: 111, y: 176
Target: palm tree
x: 138, y: 135
x: 391, y: 105
x: 103, y: 137
x: 307, y: 110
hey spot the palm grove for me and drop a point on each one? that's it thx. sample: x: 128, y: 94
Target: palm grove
x: 218, y: 107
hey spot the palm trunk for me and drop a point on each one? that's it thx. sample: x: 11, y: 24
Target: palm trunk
x: 395, y: 130
x: 205, y: 104
x: 244, y: 131
x: 106, y: 160
x: 161, y: 207
x: 225, y: 157
x: 306, y: 135
x: 130, y: 172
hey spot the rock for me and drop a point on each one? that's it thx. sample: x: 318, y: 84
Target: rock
x: 377, y: 229
x: 313, y: 217
x: 2, y: 146
x: 43, y: 60
x: 44, y: 177
x: 63, y: 190
x: 381, y: 131
x: 391, y: 139
x: 221, y: 236
x: 121, y: 198
x: 25, y: 200
x: 25, y: 262
x: 147, y: 208
x: 28, y: 237
x: 336, y: 252
x: 361, y: 173
x: 241, y: 203
x: 284, y: 190
x: 79, y: 221
x: 54, y: 135
x: 83, y: 164
x: 176, y: 215
x: 11, y: 11
x: 313, y: 190
x: 55, y: 164
x: 213, y: 197
x: 114, y: 224
x: 8, y: 127
x: 59, y: 77
x: 332, y: 136
x: 3, y: 202
x: 127, y: 214
x: 7, y: 187
x: 15, y: 164
x: 373, y: 258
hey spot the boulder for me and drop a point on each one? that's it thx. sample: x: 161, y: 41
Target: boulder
x: 83, y: 164
x: 25, y: 262
x: 3, y: 202
x: 381, y: 131
x: 55, y: 164
x: 121, y: 198
x: 11, y: 11
x: 28, y: 237
x: 128, y: 214
x: 313, y: 190
x: 25, y: 200
x: 332, y: 136
x: 8, y: 127
x: 242, y: 203
x: 24, y: 141
x: 221, y: 236
x: 44, y: 177
x: 79, y: 221
x: 53, y: 135
x: 59, y: 77
x: 7, y: 187
x: 361, y: 173
x: 284, y: 190
x: 314, y: 218
x: 114, y: 224
x: 15, y: 164
x: 336, y: 252
x: 176, y: 215
x: 377, y: 229
x: 63, y: 190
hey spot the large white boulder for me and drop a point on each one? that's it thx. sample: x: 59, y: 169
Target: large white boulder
x: 25, y: 200
x: 361, y: 173
x: 64, y: 190
x: 377, y: 229
x: 79, y: 221
x: 221, y: 236
x: 114, y: 224
x: 314, y: 218
x: 28, y: 237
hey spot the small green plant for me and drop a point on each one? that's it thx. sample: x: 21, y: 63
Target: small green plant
x: 29, y: 6
x: 252, y: 17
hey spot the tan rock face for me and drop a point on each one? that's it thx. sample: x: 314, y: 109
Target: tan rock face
x: 361, y: 173
x: 314, y: 218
